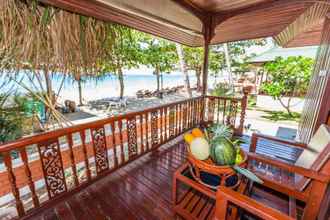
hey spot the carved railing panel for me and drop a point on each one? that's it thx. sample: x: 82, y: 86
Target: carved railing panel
x: 52, y: 166
x: 154, y: 128
x: 172, y: 121
x: 132, y: 137
x: 100, y: 149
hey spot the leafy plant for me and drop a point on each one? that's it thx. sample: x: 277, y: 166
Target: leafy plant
x: 11, y: 117
x: 288, y: 77
x: 222, y: 89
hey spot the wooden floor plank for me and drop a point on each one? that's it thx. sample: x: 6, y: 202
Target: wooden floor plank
x: 50, y: 215
x: 140, y: 190
x: 64, y: 212
x: 110, y: 204
x: 79, y: 211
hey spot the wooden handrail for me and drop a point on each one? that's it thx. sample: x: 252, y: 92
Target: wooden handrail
x: 256, y: 136
x: 76, y: 128
x: 132, y: 135
x: 289, y: 167
x: 226, y: 196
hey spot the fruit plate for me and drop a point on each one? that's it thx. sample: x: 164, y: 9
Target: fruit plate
x: 208, y: 166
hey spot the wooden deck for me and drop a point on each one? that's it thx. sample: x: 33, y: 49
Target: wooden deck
x: 139, y: 190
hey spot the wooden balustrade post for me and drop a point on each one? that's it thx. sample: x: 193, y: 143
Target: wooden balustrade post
x: 12, y: 181
x: 244, y: 103
x: 28, y: 174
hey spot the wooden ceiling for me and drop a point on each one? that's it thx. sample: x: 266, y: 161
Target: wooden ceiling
x: 266, y: 21
x: 310, y: 37
x: 225, y: 5
x: 187, y: 21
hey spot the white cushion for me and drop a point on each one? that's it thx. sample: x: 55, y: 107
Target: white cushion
x: 316, y: 145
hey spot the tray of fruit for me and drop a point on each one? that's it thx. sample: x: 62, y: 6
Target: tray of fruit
x: 215, y: 151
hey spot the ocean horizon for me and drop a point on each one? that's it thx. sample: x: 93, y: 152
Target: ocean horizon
x: 134, y: 80
x: 105, y: 88
x: 109, y: 86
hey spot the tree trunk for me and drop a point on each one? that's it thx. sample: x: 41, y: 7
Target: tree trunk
x: 48, y: 85
x: 184, y: 69
x: 121, y: 82
x: 228, y: 63
x: 157, y: 73
x: 287, y: 107
x: 198, y: 72
x: 161, y: 81
x: 48, y: 111
x: 80, y: 92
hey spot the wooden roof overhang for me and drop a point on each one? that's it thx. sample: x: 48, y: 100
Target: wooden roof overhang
x: 205, y: 22
x: 188, y: 21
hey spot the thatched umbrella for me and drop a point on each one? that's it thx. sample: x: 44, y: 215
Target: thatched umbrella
x: 47, y: 40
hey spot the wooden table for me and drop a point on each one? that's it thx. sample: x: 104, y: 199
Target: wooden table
x: 192, y: 200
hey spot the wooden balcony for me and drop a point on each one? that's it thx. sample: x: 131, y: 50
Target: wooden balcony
x: 124, y: 161
x: 122, y: 168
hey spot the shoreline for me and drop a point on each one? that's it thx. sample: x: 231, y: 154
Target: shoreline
x: 88, y: 112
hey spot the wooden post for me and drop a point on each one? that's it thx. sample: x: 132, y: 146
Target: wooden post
x: 208, y: 30
x: 244, y: 103
x: 205, y: 63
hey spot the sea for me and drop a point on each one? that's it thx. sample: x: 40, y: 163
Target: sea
x: 141, y: 78
x: 108, y: 87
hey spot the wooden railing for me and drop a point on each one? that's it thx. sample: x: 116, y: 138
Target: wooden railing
x: 60, y: 162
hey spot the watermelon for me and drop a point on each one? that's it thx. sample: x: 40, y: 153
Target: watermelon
x: 222, y: 152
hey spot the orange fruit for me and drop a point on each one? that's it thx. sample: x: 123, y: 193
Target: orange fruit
x: 188, y: 138
x: 196, y: 132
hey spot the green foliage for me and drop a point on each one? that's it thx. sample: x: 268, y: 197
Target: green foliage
x: 193, y: 57
x: 288, y: 77
x: 11, y: 117
x: 237, y: 52
x: 216, y: 61
x: 124, y: 51
x: 158, y: 54
x: 222, y: 89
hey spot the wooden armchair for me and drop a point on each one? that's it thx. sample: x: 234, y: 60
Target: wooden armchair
x: 305, y: 181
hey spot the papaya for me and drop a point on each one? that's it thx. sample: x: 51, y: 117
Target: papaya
x: 196, y: 132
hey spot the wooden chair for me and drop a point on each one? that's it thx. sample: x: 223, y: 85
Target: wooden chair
x: 305, y: 181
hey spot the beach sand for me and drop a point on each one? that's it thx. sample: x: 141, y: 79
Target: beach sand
x: 88, y: 113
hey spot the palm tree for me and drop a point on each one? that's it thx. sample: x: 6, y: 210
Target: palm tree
x: 183, y: 68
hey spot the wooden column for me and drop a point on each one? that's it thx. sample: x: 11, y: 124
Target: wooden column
x: 205, y: 67
x: 208, y: 29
